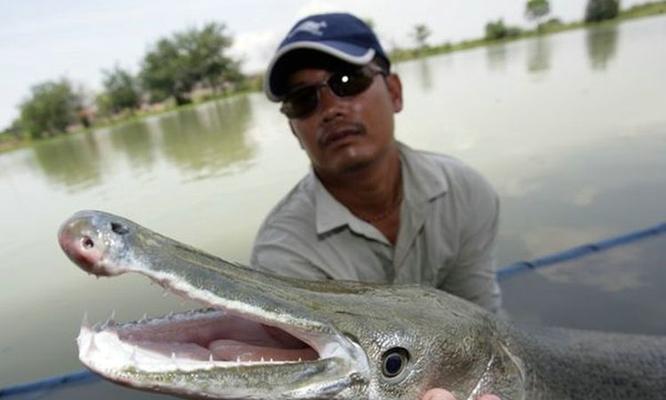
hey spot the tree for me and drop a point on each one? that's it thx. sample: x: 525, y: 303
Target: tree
x: 194, y: 57
x: 600, y: 10
x: 14, y: 129
x: 535, y: 10
x: 496, y: 30
x: 121, y: 91
x: 421, y: 34
x: 51, y: 108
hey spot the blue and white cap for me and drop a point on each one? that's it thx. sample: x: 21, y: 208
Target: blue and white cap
x: 340, y: 35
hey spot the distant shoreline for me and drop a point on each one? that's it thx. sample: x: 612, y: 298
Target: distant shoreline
x: 9, y: 142
x: 640, y: 11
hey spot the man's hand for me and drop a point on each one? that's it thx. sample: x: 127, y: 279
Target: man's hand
x: 441, y: 394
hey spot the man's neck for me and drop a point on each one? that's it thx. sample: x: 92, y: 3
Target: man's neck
x: 369, y: 191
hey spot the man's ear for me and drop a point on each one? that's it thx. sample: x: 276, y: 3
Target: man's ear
x: 395, y: 91
x: 293, y: 132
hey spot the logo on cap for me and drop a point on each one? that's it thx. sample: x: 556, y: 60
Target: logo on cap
x: 312, y: 27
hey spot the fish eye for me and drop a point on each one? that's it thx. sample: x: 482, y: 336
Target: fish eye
x: 394, y: 361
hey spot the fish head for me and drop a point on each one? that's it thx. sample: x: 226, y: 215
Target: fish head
x: 417, y: 338
x: 262, y: 336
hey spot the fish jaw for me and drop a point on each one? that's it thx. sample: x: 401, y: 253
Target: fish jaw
x: 220, y: 365
x: 326, y: 364
x: 125, y: 354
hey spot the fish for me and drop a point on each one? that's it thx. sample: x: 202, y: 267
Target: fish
x: 263, y: 336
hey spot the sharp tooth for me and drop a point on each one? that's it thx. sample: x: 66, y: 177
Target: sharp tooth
x: 210, y: 357
x: 300, y: 359
x: 238, y: 359
x: 170, y: 315
x: 271, y: 360
x: 92, y: 345
x: 113, y: 315
x: 262, y: 359
x: 165, y: 294
x: 144, y: 318
x: 85, y: 323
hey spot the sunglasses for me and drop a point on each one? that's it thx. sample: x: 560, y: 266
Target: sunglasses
x: 303, y: 101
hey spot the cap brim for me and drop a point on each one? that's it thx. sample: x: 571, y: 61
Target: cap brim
x: 344, y: 51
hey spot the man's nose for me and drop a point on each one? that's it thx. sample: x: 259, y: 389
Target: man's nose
x: 330, y: 104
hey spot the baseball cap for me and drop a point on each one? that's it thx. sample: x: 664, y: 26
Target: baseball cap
x: 338, y: 37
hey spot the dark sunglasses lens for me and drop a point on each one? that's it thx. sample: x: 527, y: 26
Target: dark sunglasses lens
x: 350, y: 84
x: 304, y: 101
x: 300, y: 103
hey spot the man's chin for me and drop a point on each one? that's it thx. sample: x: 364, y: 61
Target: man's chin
x: 352, y: 158
x: 351, y: 161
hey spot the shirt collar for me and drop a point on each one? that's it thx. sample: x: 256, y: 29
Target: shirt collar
x: 330, y: 213
x: 422, y: 179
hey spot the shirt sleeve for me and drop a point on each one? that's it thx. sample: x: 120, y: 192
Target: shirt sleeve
x: 473, y: 275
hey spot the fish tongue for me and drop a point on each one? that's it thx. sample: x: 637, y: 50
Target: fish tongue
x: 232, y: 350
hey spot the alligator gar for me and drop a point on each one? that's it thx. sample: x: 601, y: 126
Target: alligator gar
x: 261, y: 336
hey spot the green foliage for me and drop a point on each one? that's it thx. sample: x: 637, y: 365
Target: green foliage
x: 421, y: 34
x: 51, y: 108
x: 600, y: 10
x: 641, y: 10
x: 121, y: 92
x: 535, y: 10
x: 189, y: 59
x: 497, y: 30
x: 552, y: 23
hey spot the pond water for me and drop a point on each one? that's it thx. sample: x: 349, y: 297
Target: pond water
x: 569, y: 128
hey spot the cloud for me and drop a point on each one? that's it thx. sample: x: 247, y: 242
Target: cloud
x: 255, y: 48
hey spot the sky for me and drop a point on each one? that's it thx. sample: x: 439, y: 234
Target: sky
x: 44, y: 40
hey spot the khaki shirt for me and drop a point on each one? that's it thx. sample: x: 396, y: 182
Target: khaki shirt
x: 448, y: 225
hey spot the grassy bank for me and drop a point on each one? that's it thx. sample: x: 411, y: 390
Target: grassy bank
x: 10, y: 141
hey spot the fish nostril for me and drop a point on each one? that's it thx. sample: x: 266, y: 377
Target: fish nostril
x: 119, y: 228
x: 87, y: 242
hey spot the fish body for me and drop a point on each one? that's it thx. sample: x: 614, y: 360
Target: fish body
x: 262, y: 336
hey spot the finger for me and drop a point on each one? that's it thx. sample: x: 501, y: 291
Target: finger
x: 438, y: 394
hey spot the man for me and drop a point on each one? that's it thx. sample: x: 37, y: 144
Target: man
x: 372, y: 209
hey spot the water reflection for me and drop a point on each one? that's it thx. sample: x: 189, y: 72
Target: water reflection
x: 73, y: 162
x: 425, y: 74
x: 496, y: 57
x: 601, y: 44
x: 538, y: 55
x: 574, y: 198
x: 135, y: 140
x: 210, y: 138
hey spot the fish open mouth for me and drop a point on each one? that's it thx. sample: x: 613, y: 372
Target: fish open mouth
x: 188, y: 341
x: 219, y: 336
x: 252, y: 338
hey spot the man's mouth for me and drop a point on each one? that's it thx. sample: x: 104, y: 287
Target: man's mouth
x: 337, y: 134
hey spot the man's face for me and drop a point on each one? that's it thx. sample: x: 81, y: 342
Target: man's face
x: 344, y: 134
